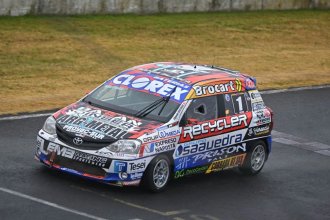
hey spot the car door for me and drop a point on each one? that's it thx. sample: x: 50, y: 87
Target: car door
x: 197, y: 115
x: 212, y: 129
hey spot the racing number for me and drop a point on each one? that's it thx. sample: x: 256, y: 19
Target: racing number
x: 239, y: 103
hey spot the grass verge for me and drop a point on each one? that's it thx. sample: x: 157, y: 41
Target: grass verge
x: 49, y: 62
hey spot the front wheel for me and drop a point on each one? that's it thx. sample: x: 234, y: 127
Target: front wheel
x: 255, y: 159
x: 157, y: 174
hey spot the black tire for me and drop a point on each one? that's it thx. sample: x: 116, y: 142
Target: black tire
x: 255, y: 159
x: 149, y: 182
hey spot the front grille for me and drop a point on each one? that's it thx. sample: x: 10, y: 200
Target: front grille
x: 88, y: 144
x: 78, y: 166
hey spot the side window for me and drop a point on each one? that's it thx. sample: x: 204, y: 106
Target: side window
x: 237, y: 103
x: 203, y: 109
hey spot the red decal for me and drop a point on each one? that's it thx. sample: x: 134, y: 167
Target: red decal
x: 215, y: 127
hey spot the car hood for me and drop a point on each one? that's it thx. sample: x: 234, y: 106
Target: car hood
x: 99, y: 125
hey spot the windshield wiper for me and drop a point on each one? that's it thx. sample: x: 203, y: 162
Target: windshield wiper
x: 149, y: 108
x: 91, y: 103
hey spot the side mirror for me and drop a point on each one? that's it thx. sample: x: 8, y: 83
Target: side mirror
x: 192, y: 121
x: 187, y: 121
x: 183, y: 121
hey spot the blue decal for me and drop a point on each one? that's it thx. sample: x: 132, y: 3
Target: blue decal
x: 227, y: 97
x: 179, y: 150
x: 120, y: 166
x: 206, y: 157
x: 269, y: 144
x: 150, y: 148
x: 153, y: 84
x: 250, y: 83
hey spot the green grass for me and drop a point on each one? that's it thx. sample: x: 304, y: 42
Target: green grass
x: 49, y: 62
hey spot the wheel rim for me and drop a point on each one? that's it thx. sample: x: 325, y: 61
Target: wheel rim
x: 258, y: 157
x: 161, y: 173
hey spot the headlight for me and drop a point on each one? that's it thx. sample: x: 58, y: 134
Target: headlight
x: 49, y: 125
x: 125, y: 146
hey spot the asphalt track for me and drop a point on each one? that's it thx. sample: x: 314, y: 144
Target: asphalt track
x: 294, y: 184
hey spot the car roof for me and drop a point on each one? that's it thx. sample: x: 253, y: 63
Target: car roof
x: 190, y: 81
x: 188, y: 73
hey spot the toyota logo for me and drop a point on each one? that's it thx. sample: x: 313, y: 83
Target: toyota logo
x: 77, y: 140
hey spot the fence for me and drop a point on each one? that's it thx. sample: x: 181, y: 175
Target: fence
x: 77, y: 7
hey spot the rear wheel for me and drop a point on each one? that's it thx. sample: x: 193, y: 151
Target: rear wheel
x: 157, y: 174
x: 255, y: 159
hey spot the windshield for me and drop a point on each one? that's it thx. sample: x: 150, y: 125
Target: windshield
x: 131, y: 102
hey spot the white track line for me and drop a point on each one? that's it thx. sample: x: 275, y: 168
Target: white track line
x: 150, y: 209
x: 54, y: 205
x: 24, y: 116
x: 291, y: 140
x: 294, y: 89
x: 130, y: 204
x: 262, y: 92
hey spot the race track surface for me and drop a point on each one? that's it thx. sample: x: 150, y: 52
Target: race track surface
x: 294, y: 184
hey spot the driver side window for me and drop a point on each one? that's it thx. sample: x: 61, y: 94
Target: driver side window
x: 203, y: 109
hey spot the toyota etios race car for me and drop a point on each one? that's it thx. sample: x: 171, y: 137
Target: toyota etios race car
x: 157, y: 121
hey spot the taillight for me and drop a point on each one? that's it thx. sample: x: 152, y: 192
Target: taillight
x: 271, y: 118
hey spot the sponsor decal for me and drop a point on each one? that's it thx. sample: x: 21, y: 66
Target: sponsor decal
x: 169, y: 132
x: 206, y: 157
x: 133, y: 166
x: 209, y: 156
x: 224, y: 87
x: 203, y: 145
x: 135, y: 176
x: 180, y: 111
x: 148, y: 83
x: 105, y: 130
x: 92, y: 123
x: 164, y: 148
x: 131, y: 183
x: 258, y: 106
x: 161, y: 146
x: 150, y: 138
x: 249, y: 84
x: 247, y: 97
x: 215, y: 127
x: 55, y: 149
x: 255, y: 96
x: 227, y: 163
x: 227, y: 97
x: 104, y: 152
x: 120, y: 166
x: 121, y: 121
x: 182, y: 163
x: 257, y: 131
x: 186, y: 172
x: 149, y: 148
x: 40, y: 143
x: 137, y: 166
x: 263, y: 117
x: 60, y: 150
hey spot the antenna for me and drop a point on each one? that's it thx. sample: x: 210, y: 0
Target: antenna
x: 213, y: 61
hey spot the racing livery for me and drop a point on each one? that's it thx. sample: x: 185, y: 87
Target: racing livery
x: 159, y: 121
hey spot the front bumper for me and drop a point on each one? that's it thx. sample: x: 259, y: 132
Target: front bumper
x: 91, y: 164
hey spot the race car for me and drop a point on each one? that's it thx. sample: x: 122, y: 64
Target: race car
x: 160, y: 121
